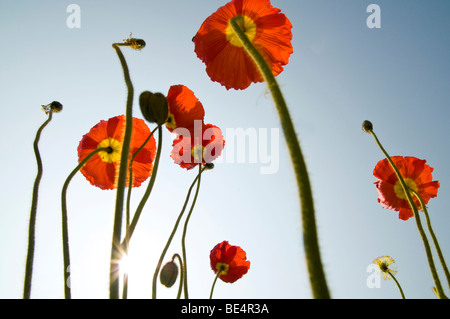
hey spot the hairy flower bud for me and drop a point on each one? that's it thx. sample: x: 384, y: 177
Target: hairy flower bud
x: 135, y: 44
x: 55, y: 106
x: 367, y: 126
x: 154, y: 107
x: 169, y: 274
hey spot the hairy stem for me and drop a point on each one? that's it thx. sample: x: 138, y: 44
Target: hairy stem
x: 33, y: 212
x: 310, y: 240
x: 118, y: 213
x: 426, y: 244
x: 65, y: 231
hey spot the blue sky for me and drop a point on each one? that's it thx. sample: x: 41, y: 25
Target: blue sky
x: 340, y: 74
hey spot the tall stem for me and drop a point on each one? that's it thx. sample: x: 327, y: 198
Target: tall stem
x: 214, y: 284
x: 433, y: 236
x: 310, y: 240
x: 65, y: 231
x: 183, y: 238
x: 180, y: 286
x: 151, y: 183
x: 118, y: 213
x: 426, y: 244
x: 169, y: 241
x: 131, y: 226
x: 33, y: 212
x: 398, y: 285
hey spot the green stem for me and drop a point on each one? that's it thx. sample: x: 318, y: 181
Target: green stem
x: 130, y: 227
x: 180, y: 287
x: 433, y: 236
x: 118, y: 213
x: 398, y: 285
x: 130, y: 174
x: 310, y: 240
x: 34, y: 204
x: 426, y: 244
x: 214, y: 284
x: 183, y: 238
x: 142, y: 203
x: 65, y: 231
x: 169, y: 241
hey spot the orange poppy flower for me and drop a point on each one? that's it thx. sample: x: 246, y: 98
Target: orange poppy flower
x: 417, y: 176
x: 102, y: 170
x: 222, y: 52
x: 197, y: 145
x: 184, y: 108
x: 230, y: 260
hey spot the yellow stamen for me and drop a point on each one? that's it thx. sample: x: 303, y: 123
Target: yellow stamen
x: 398, y: 189
x: 383, y: 264
x: 222, y: 268
x: 113, y: 155
x: 170, y: 122
x: 197, y: 153
x: 247, y: 25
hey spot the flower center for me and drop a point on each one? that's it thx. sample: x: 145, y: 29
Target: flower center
x: 247, y: 25
x: 398, y: 189
x: 222, y: 268
x: 197, y: 153
x: 114, y: 150
x: 170, y: 122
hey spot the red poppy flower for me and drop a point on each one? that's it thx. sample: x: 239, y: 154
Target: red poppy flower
x: 102, y: 170
x: 184, y: 108
x: 230, y: 260
x: 417, y: 176
x: 201, y: 144
x: 222, y: 52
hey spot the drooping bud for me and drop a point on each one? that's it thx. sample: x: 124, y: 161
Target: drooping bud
x: 135, y: 44
x: 154, y: 107
x: 55, y: 106
x: 367, y: 126
x: 169, y: 274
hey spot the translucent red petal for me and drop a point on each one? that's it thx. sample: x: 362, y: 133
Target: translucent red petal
x: 103, y: 174
x: 410, y: 168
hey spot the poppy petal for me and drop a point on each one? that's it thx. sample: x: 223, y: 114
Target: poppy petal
x: 102, y: 169
x: 417, y: 175
x: 225, y: 58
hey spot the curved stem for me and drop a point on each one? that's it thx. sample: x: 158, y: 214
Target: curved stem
x: 130, y: 227
x: 141, y: 205
x: 214, y: 284
x: 183, y: 238
x: 433, y: 236
x: 130, y: 174
x: 310, y: 240
x: 169, y: 241
x: 180, y: 287
x: 34, y: 203
x: 426, y: 244
x: 398, y: 285
x: 118, y: 214
x: 65, y: 231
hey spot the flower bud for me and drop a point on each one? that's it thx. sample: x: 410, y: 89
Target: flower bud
x: 135, y: 44
x: 367, y: 126
x: 154, y: 107
x: 55, y: 106
x: 169, y: 274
